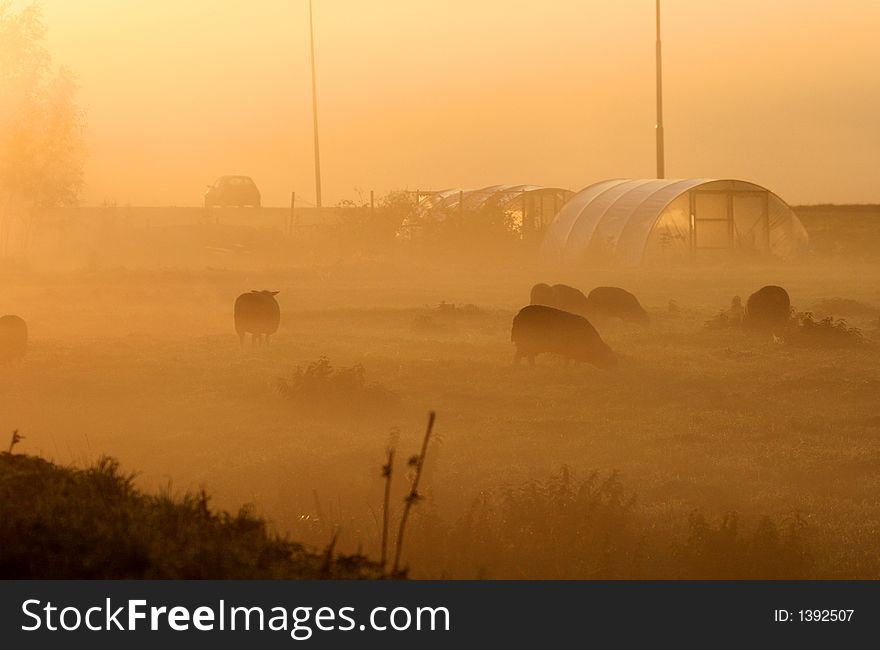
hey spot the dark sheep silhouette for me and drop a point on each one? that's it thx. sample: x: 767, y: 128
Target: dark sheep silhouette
x: 257, y: 313
x: 13, y: 338
x: 570, y: 299
x: 560, y: 296
x: 542, y: 294
x: 768, y: 310
x: 615, y: 302
x: 539, y: 328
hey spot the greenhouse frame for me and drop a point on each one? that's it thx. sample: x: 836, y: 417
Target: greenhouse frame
x: 631, y: 222
x: 531, y: 207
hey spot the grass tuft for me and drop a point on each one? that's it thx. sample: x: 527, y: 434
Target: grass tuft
x: 321, y: 388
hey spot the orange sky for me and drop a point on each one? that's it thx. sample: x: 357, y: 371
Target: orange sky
x: 436, y: 93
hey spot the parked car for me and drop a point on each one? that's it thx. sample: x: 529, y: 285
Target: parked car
x: 232, y: 191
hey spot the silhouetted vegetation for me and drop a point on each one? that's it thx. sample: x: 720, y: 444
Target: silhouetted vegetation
x: 482, y: 233
x: 63, y: 523
x: 804, y: 329
x: 446, y: 317
x: 321, y: 387
x: 417, y: 463
x: 726, y: 552
x: 591, y: 528
x: 829, y: 332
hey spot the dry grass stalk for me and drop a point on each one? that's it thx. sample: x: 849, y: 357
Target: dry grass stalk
x: 419, y: 463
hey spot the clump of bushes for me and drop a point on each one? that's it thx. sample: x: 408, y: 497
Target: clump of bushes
x: 556, y: 528
x: 445, y: 315
x: 806, y: 331
x: 725, y: 552
x: 322, y: 387
x: 424, y: 322
x: 451, y: 309
x: 488, y: 232
x: 592, y: 528
x: 63, y: 523
x: 591, y: 520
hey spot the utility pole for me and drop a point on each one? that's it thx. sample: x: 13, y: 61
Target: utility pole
x: 661, y: 164
x: 315, y: 111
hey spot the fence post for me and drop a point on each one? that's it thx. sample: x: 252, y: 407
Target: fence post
x: 292, y: 216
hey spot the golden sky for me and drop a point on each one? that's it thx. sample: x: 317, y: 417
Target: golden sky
x: 448, y: 93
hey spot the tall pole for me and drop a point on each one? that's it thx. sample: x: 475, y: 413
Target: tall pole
x: 661, y: 166
x: 315, y: 111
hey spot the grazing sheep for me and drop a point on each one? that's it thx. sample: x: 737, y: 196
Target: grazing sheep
x: 768, y: 311
x: 570, y: 299
x: 560, y: 296
x: 539, y: 328
x: 257, y: 313
x: 13, y: 338
x: 542, y: 294
x: 615, y: 302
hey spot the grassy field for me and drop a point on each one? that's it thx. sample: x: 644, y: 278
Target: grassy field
x: 142, y: 365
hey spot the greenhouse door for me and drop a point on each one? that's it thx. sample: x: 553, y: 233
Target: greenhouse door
x: 711, y: 220
x: 727, y: 220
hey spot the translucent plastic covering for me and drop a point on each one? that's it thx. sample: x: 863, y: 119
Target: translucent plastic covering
x: 627, y: 222
x: 437, y: 200
x: 531, y: 207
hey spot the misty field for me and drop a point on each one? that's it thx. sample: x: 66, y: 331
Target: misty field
x: 698, y: 422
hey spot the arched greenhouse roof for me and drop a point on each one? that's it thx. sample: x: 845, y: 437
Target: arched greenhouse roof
x: 623, y: 221
x: 532, y: 206
x: 449, y: 199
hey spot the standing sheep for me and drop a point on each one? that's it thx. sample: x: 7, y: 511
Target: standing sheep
x: 13, y: 338
x: 768, y: 311
x: 257, y: 313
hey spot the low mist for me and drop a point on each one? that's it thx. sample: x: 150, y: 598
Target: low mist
x: 708, y: 450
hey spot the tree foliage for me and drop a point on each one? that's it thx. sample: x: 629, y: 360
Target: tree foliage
x: 41, y: 125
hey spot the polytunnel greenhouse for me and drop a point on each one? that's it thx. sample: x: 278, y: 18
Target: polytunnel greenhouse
x: 530, y: 208
x: 627, y: 222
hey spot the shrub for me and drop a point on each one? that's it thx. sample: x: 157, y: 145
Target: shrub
x: 564, y: 528
x: 556, y: 528
x: 446, y: 316
x: 321, y: 387
x: 805, y: 331
x: 724, y: 553
x: 61, y: 523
